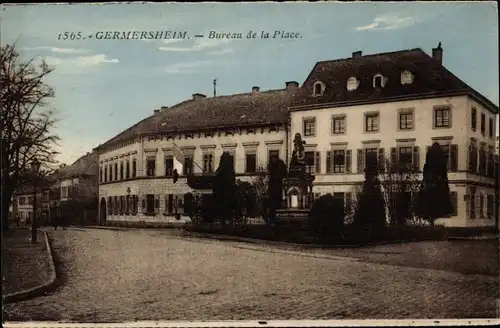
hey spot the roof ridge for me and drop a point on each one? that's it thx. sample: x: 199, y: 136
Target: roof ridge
x: 373, y: 55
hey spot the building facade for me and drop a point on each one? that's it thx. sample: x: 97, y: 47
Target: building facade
x: 395, y: 104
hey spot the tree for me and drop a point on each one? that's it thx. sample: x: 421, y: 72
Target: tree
x: 398, y: 185
x: 224, y: 189
x: 370, y: 216
x: 434, y: 200
x: 25, y: 125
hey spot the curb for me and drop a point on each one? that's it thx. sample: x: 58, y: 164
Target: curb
x: 38, y: 290
x: 480, y: 238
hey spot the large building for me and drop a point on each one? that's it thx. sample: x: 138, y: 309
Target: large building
x: 396, y: 104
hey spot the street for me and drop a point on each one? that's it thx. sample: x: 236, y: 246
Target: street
x: 115, y: 276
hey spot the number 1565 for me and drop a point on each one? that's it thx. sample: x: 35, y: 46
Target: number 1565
x: 70, y: 36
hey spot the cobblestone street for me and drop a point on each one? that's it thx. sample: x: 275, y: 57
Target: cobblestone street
x: 110, y: 276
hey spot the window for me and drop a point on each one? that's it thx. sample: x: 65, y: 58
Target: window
x: 116, y: 171
x: 318, y: 89
x: 367, y: 157
x: 473, y: 118
x: 115, y: 205
x: 151, y: 166
x: 121, y: 171
x: 352, y: 83
x: 406, y: 120
x: 406, y: 78
x: 482, y: 161
x: 208, y: 163
x: 188, y: 165
x: 483, y: 124
x: 169, y: 204
x: 309, y: 161
x: 110, y: 205
x: 481, y: 205
x: 101, y: 179
x: 338, y: 125
x: 134, y: 168
x: 451, y: 155
x: 135, y: 203
x: 371, y: 122
x: 473, y: 154
x: 339, y: 161
x: 491, y: 164
x: 122, y: 205
x: 273, y: 154
x: 231, y: 156
x: 490, y: 203
x: 110, y: 172
x: 309, y: 127
x: 442, y: 117
x: 150, y: 203
x: 127, y: 169
x: 169, y: 166
x: 473, y: 205
x: 491, y: 128
x: 127, y: 204
x: 454, y: 203
x: 105, y: 173
x: 250, y: 163
x: 405, y: 158
x: 22, y: 200
x: 378, y: 81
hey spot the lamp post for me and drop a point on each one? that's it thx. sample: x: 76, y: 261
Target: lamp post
x: 35, y: 166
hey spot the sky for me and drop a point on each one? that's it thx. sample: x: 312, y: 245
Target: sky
x: 103, y: 86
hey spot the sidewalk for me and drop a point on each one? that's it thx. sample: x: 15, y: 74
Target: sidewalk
x: 28, y: 270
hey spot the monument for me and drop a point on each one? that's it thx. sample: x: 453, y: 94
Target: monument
x: 297, y: 185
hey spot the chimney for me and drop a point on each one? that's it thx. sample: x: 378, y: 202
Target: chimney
x: 198, y: 96
x: 156, y: 111
x: 164, y: 107
x: 291, y: 85
x: 437, y: 54
x: 357, y: 54
x: 62, y: 165
x: 255, y: 89
x: 88, y: 153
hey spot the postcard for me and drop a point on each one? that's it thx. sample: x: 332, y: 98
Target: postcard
x: 250, y: 164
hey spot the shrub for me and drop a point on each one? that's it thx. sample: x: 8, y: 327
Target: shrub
x: 327, y: 218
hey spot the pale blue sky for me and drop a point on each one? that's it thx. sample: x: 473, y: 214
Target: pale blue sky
x: 105, y: 86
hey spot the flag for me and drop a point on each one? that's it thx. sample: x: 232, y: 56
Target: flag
x: 178, y: 158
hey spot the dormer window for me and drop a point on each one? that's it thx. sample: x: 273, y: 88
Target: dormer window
x: 319, y: 88
x: 352, y: 83
x: 379, y: 81
x: 406, y: 77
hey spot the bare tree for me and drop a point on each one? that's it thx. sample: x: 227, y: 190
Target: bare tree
x: 399, y: 184
x: 25, y: 124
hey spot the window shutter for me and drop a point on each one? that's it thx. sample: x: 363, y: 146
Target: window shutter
x: 454, y: 158
x: 318, y: 162
x: 348, y: 161
x: 361, y: 161
x: 416, y: 158
x: 110, y: 206
x: 471, y: 161
x: 329, y: 161
x: 381, y: 159
x: 157, y: 204
x: 453, y: 196
x: 143, y: 203
x: 165, y: 211
x: 394, y: 158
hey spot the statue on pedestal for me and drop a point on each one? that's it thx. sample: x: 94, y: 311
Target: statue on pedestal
x: 297, y: 163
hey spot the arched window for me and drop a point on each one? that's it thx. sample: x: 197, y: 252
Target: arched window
x: 406, y: 77
x: 352, y: 83
x: 319, y: 88
x: 379, y: 81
